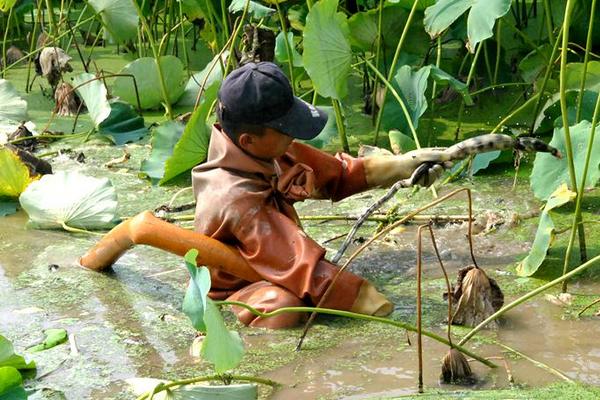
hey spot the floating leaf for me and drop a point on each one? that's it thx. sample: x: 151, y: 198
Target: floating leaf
x: 14, y: 175
x: 124, y: 124
x: 327, y: 53
x: 480, y: 22
x: 72, y: 199
x: 8, y: 358
x: 164, y: 139
x: 401, y: 143
x: 216, y: 75
x: 281, y: 53
x: 549, y: 172
x: 192, y: 147
x: 93, y: 94
x: 545, y: 232
x: 53, y: 338
x: 12, y: 106
x: 222, y: 347
x: 254, y: 8
x: 119, y: 17
x: 194, y: 302
x: 11, y: 384
x: 148, y: 81
x: 232, y: 391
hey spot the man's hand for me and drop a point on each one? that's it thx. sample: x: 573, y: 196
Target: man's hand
x: 386, y: 170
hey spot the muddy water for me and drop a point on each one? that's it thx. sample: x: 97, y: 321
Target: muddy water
x: 127, y: 322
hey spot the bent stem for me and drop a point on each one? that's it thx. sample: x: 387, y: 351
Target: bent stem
x: 528, y: 296
x: 164, y: 386
x: 468, y: 82
x: 537, y: 363
x: 349, y: 314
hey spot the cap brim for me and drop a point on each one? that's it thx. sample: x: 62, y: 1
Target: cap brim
x: 303, y: 121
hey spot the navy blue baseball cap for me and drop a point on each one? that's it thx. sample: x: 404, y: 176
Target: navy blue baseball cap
x: 260, y: 94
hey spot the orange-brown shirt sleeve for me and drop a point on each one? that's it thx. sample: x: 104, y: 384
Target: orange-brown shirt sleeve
x: 336, y: 177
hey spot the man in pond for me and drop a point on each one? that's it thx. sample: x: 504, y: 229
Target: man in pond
x: 256, y: 171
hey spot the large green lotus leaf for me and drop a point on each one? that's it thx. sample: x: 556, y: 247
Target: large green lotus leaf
x: 193, y: 85
x: 549, y: 172
x: 124, y: 124
x: 11, y: 384
x: 254, y: 8
x: 12, y: 106
x: 14, y: 175
x: 148, y: 81
x: 93, y: 94
x: 8, y: 358
x: 222, y: 347
x: 119, y: 17
x: 164, y: 139
x: 480, y: 22
x: 411, y: 86
x: 482, y: 161
x: 545, y: 232
x: 72, y: 199
x: 281, y: 53
x: 194, y: 302
x: 592, y: 77
x: 327, y: 53
x: 551, y: 116
x: 192, y: 147
x: 407, y: 4
x: 53, y: 338
x: 6, y: 5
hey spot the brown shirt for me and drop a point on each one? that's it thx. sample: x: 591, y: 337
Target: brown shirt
x: 248, y: 202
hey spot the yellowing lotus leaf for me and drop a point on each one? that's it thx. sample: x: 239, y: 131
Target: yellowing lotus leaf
x: 14, y: 175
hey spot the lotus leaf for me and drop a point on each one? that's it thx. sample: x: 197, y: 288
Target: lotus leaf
x: 216, y: 75
x: 119, y: 17
x: 11, y: 384
x: 192, y: 147
x: 72, y: 199
x: 401, y: 143
x: 480, y: 23
x: 12, y: 106
x: 194, y: 302
x: 53, y: 338
x: 329, y: 133
x: 93, y: 94
x: 545, y: 232
x: 592, y: 77
x: 281, y: 53
x: 14, y: 175
x: 164, y: 139
x: 124, y: 124
x: 327, y: 53
x: 551, y: 116
x: 254, y: 8
x: 549, y: 172
x: 147, y: 79
x: 411, y: 86
x: 8, y: 358
x: 222, y: 347
x: 244, y: 391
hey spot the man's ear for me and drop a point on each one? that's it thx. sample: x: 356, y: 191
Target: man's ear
x: 244, y: 140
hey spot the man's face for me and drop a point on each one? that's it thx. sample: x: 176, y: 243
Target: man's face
x: 271, y: 145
